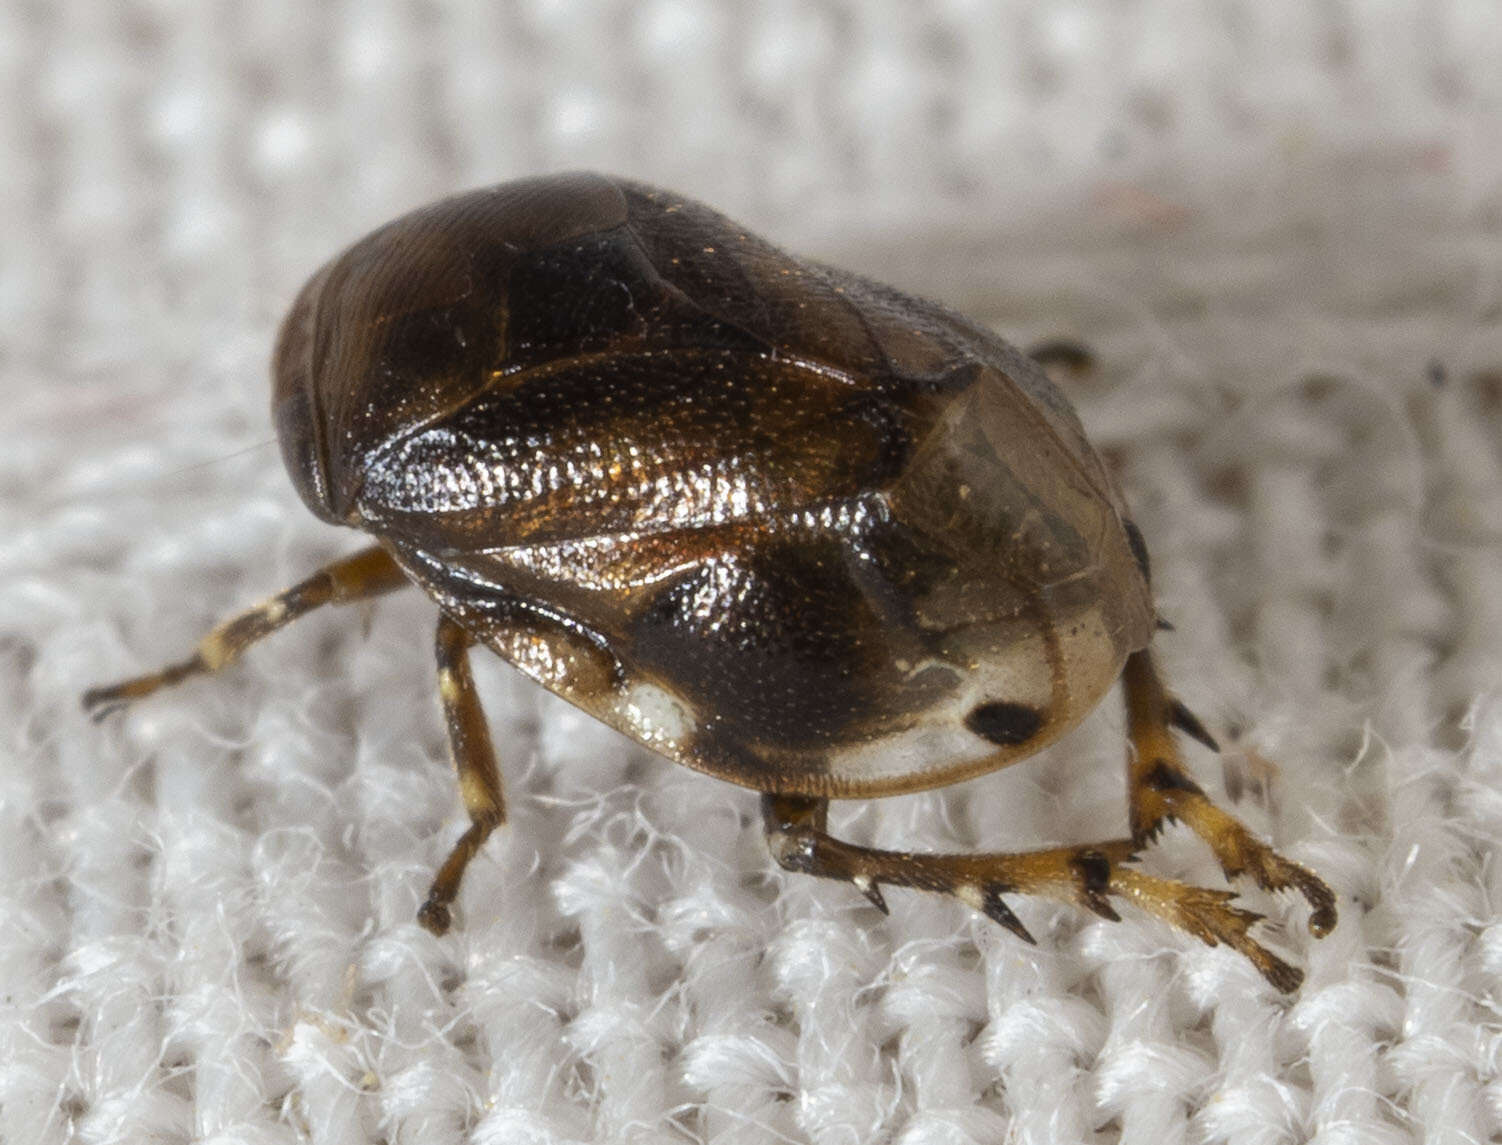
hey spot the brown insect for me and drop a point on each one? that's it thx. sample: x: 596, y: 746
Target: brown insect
x: 775, y: 521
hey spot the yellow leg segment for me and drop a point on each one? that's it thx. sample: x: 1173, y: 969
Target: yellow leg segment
x: 1086, y: 876
x: 474, y: 759
x: 370, y: 572
x: 1160, y: 791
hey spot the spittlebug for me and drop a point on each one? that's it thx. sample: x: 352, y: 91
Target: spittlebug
x: 777, y: 522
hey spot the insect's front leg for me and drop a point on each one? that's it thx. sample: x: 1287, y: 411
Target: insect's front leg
x: 1082, y: 876
x: 474, y: 760
x: 1160, y: 790
x: 368, y: 573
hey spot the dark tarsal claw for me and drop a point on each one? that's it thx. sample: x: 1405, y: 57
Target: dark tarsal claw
x: 1096, y: 902
x: 1322, y: 921
x: 1142, y: 839
x: 1189, y: 723
x: 1321, y: 899
x: 434, y: 917
x: 1093, y: 869
x: 100, y: 703
x: 998, y: 911
x: 1283, y: 976
x: 873, y: 894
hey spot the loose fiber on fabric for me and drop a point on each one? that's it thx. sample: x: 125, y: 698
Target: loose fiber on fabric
x: 1278, y: 224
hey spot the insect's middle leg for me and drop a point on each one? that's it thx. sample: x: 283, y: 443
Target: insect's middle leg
x: 360, y: 576
x: 1082, y: 876
x: 474, y: 759
x: 1160, y: 791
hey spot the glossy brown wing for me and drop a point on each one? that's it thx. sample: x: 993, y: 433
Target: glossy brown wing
x: 862, y: 327
x: 699, y: 523
x: 741, y: 584
x: 636, y: 441
x: 420, y: 316
x: 781, y: 524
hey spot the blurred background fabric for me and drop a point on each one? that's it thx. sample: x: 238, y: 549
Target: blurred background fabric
x: 1279, y: 225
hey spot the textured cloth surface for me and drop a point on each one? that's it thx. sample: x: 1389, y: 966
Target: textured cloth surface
x: 1278, y: 224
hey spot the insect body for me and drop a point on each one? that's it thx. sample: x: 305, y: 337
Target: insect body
x: 777, y: 522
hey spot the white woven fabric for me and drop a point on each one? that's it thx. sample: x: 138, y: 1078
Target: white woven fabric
x: 1278, y: 223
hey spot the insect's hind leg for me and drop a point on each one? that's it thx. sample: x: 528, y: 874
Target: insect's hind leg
x: 1082, y: 876
x: 360, y: 576
x: 474, y: 759
x: 1160, y: 791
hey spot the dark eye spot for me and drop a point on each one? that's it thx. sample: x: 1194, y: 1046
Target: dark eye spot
x: 1003, y: 723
